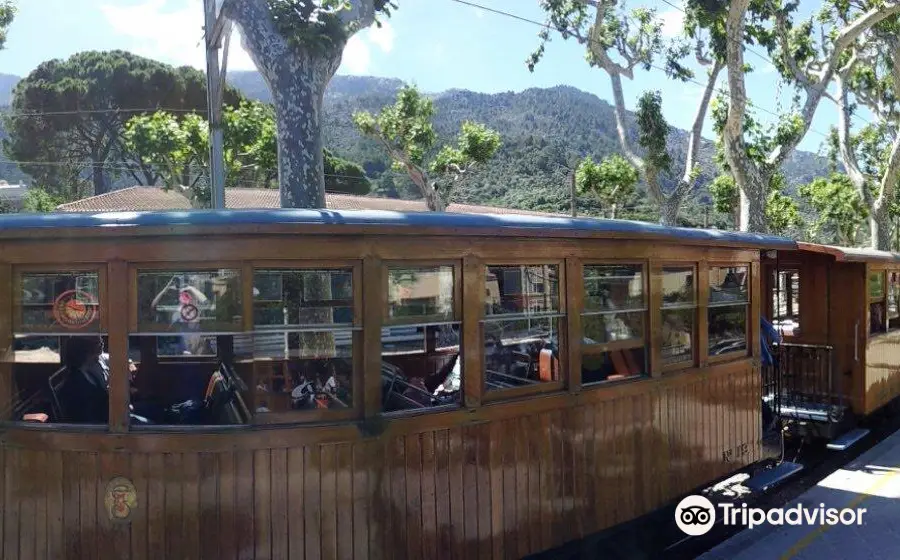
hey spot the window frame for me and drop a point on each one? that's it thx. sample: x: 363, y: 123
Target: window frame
x: 736, y: 354
x: 422, y: 321
x: 561, y: 315
x: 887, y: 290
x: 602, y: 348
x: 288, y: 417
x: 695, y: 266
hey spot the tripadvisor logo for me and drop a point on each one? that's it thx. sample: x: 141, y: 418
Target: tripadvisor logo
x: 696, y: 515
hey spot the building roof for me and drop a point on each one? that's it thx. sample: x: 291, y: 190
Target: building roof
x: 850, y: 254
x: 140, y: 199
x: 326, y: 221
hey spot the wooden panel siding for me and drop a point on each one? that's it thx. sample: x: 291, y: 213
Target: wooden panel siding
x: 510, y: 486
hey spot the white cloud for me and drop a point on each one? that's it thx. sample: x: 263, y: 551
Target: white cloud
x: 672, y: 22
x: 172, y: 30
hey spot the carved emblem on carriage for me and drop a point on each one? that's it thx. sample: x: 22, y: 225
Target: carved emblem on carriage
x: 120, y: 499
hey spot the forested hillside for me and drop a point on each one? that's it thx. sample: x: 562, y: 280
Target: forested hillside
x: 545, y: 131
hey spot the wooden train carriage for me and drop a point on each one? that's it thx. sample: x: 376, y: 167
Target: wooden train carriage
x: 319, y: 384
x: 837, y: 309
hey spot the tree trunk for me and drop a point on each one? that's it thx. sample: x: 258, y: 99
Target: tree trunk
x: 297, y: 78
x: 614, y: 208
x: 753, y: 208
x: 668, y: 210
x: 298, y: 112
x: 880, y: 228
x: 98, y: 177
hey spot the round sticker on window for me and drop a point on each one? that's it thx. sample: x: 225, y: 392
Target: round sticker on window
x: 189, y: 312
x: 75, y: 309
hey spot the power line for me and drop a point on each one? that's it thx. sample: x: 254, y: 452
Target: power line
x: 654, y: 66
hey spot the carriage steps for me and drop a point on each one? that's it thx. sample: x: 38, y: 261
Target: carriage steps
x: 848, y: 439
x: 772, y: 477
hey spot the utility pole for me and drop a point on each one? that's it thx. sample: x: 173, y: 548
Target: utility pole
x: 573, y: 196
x: 216, y: 28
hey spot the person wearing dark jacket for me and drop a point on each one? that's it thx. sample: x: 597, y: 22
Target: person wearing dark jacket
x: 86, y: 391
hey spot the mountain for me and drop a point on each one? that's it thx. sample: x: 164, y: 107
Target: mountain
x: 544, y: 130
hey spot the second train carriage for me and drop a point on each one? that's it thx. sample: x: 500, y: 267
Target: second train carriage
x: 839, y: 361
x: 320, y: 384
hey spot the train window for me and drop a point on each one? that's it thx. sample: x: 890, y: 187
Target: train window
x: 786, y: 302
x: 876, y: 285
x: 184, y: 368
x: 613, y: 322
x: 728, y: 311
x: 893, y: 297
x: 305, y: 322
x: 58, y: 365
x: 420, y: 344
x: 878, y: 320
x: 189, y: 300
x: 521, y: 326
x: 679, y: 310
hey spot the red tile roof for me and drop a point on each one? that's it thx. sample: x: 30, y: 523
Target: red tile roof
x: 136, y: 199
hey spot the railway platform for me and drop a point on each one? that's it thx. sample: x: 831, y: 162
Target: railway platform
x: 871, y: 482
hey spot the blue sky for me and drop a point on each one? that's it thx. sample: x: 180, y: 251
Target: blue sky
x: 438, y: 44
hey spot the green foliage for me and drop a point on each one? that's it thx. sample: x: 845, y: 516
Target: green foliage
x: 39, y: 200
x: 7, y: 14
x: 725, y: 194
x: 179, y: 150
x: 782, y: 213
x: 317, y: 26
x: 653, y: 131
x: 406, y: 131
x: 611, y: 182
x: 83, y: 103
x: 839, y: 206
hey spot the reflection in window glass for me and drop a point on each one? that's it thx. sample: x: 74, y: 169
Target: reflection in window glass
x: 613, y: 287
x: 678, y: 314
x: 614, y: 365
x: 421, y: 366
x: 423, y: 292
x: 678, y: 286
x: 302, y: 351
x: 876, y: 285
x: 59, y: 380
x: 302, y: 371
x: 893, y: 299
x: 728, y: 284
x: 614, y: 311
x: 201, y: 390
x: 727, y: 316
x: 611, y: 327
x: 60, y: 301
x: 877, y: 322
x: 302, y: 297
x: 786, y: 302
x: 521, y: 328
x: 727, y: 329
x: 677, y: 335
x: 189, y: 300
x: 522, y: 290
x: 521, y: 352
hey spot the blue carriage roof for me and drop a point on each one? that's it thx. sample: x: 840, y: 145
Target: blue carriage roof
x: 512, y: 223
